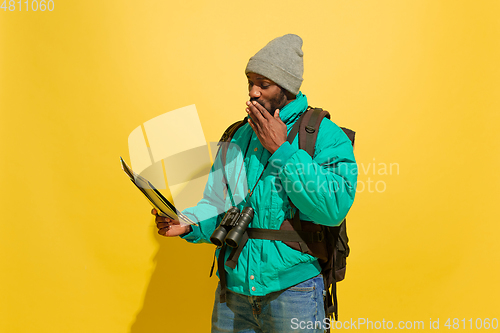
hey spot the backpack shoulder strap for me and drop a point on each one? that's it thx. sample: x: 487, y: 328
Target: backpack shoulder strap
x: 350, y: 134
x: 229, y: 132
x: 307, y: 127
x: 227, y: 136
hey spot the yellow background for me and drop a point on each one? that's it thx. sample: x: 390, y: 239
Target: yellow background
x: 418, y: 80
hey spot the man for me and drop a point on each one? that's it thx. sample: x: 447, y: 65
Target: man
x: 274, y: 288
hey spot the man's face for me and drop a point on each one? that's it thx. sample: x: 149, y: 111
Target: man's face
x: 266, y: 92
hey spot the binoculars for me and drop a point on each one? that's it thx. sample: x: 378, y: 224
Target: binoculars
x: 232, y: 227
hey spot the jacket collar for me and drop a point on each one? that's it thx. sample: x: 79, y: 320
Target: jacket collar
x: 293, y: 110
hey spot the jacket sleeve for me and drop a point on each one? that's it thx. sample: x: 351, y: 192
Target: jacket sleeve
x: 323, y: 187
x: 209, y: 210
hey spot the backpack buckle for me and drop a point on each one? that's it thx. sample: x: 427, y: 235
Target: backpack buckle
x: 310, y: 129
x: 320, y: 236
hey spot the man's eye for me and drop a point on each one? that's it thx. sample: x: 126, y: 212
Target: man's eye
x: 265, y: 86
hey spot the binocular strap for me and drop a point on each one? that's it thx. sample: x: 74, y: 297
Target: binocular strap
x: 231, y: 262
x: 222, y: 273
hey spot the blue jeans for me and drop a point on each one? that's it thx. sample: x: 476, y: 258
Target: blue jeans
x: 296, y: 309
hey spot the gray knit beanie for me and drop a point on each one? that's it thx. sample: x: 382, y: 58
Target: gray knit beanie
x: 281, y: 61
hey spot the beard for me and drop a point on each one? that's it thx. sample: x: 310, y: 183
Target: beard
x: 277, y: 102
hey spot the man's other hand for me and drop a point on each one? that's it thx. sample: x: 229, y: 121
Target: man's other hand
x: 169, y: 227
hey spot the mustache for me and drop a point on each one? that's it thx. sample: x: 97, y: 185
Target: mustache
x: 256, y: 100
x: 253, y: 99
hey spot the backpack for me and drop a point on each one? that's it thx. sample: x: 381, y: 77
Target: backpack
x: 328, y: 244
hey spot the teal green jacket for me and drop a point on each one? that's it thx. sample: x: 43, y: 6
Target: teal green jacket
x: 322, y: 188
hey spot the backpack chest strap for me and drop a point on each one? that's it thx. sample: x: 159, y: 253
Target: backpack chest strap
x: 287, y: 235
x: 314, y: 235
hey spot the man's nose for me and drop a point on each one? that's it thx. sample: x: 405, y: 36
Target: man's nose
x: 254, y: 92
